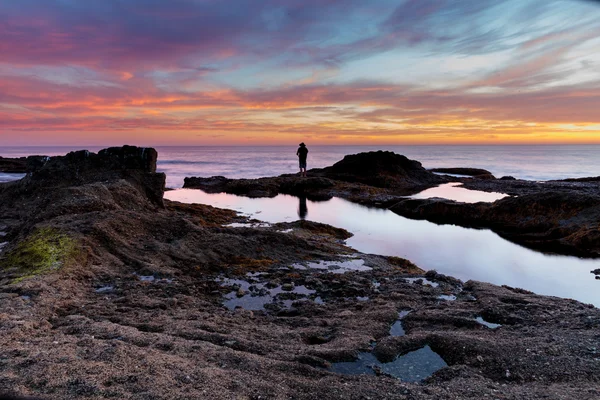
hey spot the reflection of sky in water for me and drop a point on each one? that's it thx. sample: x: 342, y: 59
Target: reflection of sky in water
x: 411, y: 367
x: 464, y: 253
x: 453, y: 191
x: 7, y: 177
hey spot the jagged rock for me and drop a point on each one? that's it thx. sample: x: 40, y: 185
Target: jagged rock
x: 136, y: 165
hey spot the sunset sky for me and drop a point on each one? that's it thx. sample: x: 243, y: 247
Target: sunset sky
x: 158, y: 72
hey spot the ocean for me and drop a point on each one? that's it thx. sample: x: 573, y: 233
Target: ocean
x: 542, y: 162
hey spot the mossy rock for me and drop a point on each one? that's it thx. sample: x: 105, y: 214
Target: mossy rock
x: 45, y: 250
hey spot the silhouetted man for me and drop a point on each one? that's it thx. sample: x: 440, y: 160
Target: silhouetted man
x: 302, y: 153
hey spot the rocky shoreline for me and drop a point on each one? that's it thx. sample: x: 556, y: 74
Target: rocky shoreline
x: 109, y: 291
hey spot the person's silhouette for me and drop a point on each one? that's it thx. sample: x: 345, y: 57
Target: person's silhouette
x: 302, y: 153
x: 302, y: 208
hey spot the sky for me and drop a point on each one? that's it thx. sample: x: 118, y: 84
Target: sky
x: 214, y: 72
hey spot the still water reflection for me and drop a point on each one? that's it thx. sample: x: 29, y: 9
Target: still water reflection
x: 453, y: 191
x: 463, y: 253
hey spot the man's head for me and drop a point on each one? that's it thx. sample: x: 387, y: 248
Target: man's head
x: 302, y: 144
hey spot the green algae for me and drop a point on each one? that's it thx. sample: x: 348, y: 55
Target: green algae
x: 43, y: 251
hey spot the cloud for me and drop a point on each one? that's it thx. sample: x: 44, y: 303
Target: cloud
x: 275, y: 67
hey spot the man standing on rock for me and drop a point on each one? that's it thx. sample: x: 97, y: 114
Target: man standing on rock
x: 302, y: 153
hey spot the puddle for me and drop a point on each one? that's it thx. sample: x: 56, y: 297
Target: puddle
x: 247, y: 225
x: 453, y: 175
x: 153, y: 279
x: 397, y: 329
x: 490, y: 325
x: 256, y: 295
x: 411, y: 367
x: 362, y: 298
x: 447, y: 297
x: 2, y: 233
x: 422, y: 281
x: 463, y: 253
x: 2, y: 245
x: 105, y: 289
x: 453, y: 191
x: 9, y: 177
x: 335, y: 267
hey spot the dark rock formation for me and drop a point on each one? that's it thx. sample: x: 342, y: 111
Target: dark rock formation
x: 590, y: 179
x: 135, y: 165
x: 484, y: 177
x: 462, y: 171
x: 383, y: 169
x: 13, y: 165
x: 21, y: 165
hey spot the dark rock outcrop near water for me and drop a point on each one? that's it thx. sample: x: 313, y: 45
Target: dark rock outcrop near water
x: 106, y: 292
x: 13, y: 165
x: 383, y: 169
x: 21, y: 165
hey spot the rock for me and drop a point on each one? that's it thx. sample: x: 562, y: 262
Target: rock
x: 240, y: 292
x: 380, y: 169
x: 508, y: 178
x: 596, y: 271
x: 287, y: 286
x: 484, y: 177
x: 136, y: 165
x: 13, y: 165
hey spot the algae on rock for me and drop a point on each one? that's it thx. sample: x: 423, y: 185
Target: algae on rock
x: 44, y: 250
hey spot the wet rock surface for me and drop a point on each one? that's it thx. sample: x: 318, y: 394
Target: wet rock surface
x: 137, y: 308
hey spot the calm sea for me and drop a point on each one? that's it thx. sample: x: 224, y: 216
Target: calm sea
x: 525, y: 162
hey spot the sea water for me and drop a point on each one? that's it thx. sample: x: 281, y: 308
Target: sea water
x: 524, y: 162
